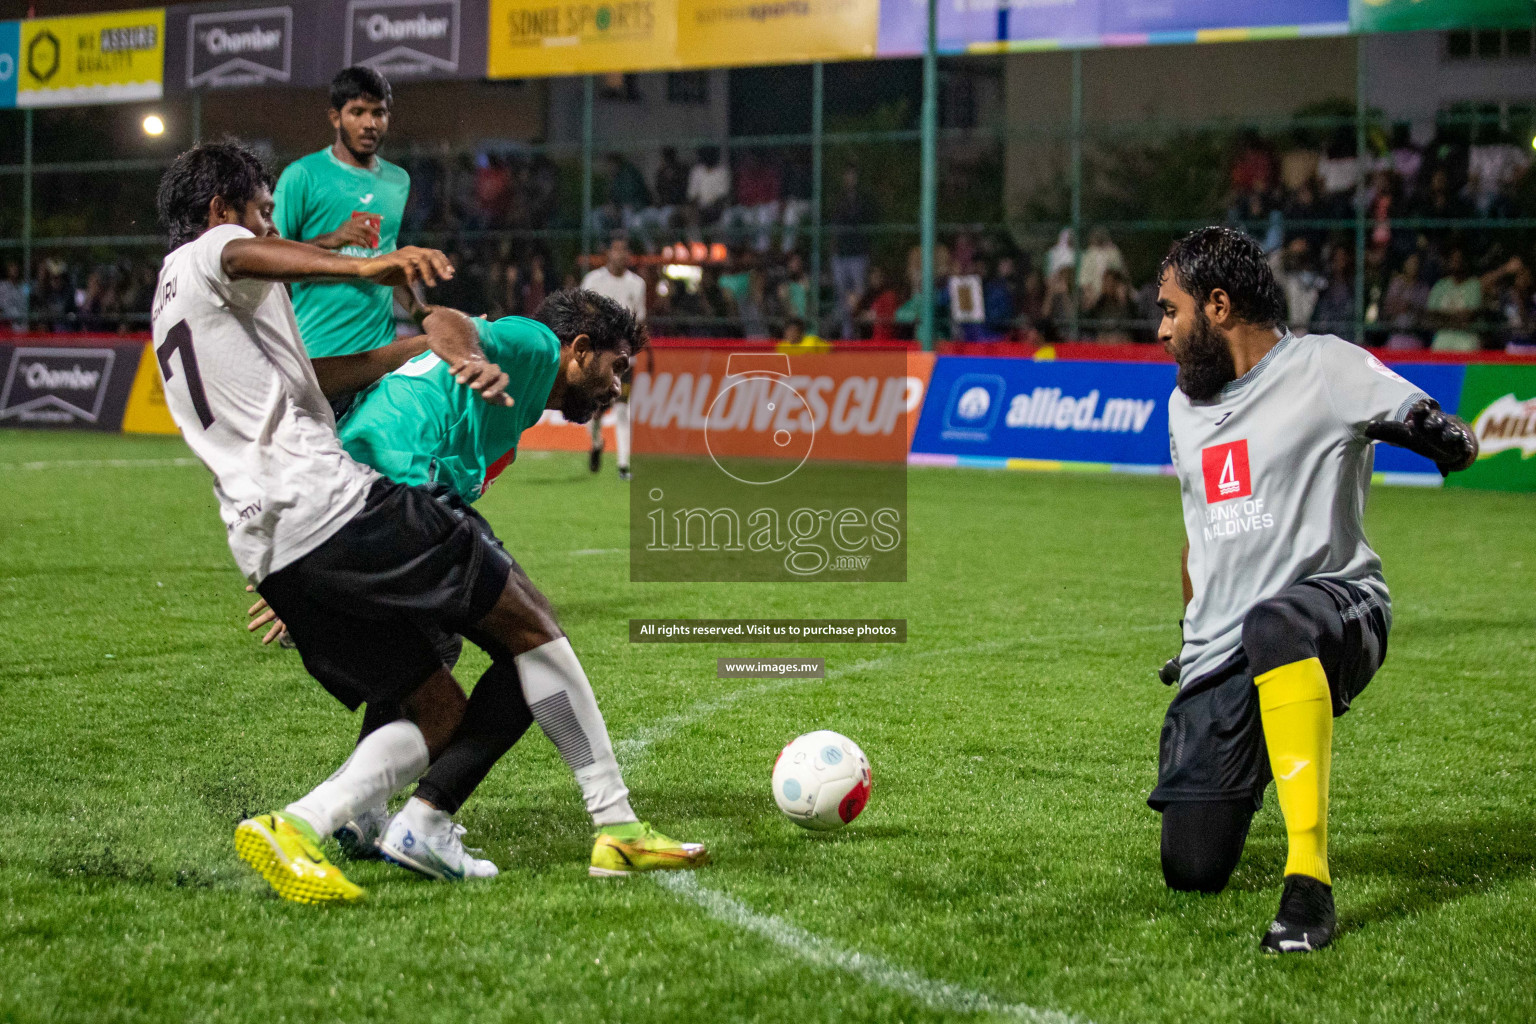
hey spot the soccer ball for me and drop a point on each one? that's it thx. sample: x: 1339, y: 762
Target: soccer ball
x: 821, y: 781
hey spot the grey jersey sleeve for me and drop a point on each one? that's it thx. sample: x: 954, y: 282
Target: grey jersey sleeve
x: 1362, y: 389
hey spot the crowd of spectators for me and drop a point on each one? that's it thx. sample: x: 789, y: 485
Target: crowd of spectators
x: 1441, y: 271
x: 95, y: 297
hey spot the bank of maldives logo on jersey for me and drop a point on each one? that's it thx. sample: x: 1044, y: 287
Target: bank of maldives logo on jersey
x: 1226, y: 471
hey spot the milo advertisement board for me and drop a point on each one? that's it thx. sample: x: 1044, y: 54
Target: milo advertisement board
x: 1499, y: 401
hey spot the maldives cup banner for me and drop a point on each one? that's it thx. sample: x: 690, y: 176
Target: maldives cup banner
x: 770, y: 467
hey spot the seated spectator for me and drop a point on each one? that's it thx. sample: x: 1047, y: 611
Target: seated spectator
x: 795, y: 287
x: 1002, y: 307
x: 1057, y: 311
x: 793, y: 333
x: 1101, y: 256
x: 1493, y: 167
x: 1402, y: 307
x: 627, y: 196
x: 13, y: 297
x: 1453, y: 306
x: 1335, y: 310
x: 796, y: 180
x: 877, y: 309
x: 709, y: 188
x: 850, y: 213
x: 1115, y: 311
x: 1299, y: 280
x: 671, y: 192
x: 759, y: 198
x: 493, y: 188
x: 1512, y: 289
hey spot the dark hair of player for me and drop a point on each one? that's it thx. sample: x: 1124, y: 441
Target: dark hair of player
x: 1211, y: 258
x: 225, y: 169
x: 351, y: 83
x: 577, y: 311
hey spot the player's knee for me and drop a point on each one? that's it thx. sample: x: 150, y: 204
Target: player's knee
x: 1196, y: 867
x: 1275, y: 633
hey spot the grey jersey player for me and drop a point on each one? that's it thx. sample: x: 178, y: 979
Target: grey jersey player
x: 1286, y: 610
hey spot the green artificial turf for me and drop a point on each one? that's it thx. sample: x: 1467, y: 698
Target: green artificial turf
x: 1007, y: 860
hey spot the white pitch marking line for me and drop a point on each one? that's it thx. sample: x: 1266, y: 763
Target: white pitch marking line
x: 599, y: 551
x: 941, y: 996
x: 635, y: 748
x: 100, y: 464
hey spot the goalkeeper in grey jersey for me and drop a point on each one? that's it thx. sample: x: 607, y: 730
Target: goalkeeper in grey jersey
x: 1286, y: 611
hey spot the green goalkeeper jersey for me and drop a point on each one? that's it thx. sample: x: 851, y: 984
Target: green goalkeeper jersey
x: 418, y: 425
x: 316, y: 195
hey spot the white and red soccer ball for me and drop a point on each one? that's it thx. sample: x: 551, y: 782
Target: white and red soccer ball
x: 821, y: 780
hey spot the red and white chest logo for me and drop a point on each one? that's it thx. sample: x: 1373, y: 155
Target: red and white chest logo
x: 1226, y: 471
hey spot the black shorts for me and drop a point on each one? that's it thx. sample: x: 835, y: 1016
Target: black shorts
x: 1212, y: 744
x: 368, y: 609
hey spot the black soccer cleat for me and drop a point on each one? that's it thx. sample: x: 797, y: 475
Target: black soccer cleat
x: 1306, y: 919
x: 596, y: 462
x: 625, y: 474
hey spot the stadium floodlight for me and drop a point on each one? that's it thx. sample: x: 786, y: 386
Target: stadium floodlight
x: 154, y: 125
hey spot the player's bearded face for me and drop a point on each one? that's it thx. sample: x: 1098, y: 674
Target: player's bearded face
x: 1205, y: 361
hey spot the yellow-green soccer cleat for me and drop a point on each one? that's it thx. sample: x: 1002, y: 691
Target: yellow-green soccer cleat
x: 286, y: 852
x: 629, y: 849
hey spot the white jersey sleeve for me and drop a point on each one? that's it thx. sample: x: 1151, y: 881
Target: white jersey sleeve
x: 241, y: 389
x: 1361, y: 388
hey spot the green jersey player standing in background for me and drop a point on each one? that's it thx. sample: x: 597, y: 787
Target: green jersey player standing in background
x: 349, y: 199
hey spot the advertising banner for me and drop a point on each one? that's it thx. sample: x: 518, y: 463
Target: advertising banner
x: 85, y: 388
x: 986, y: 25
x: 236, y: 45
x: 766, y: 466
x: 10, y: 48
x: 222, y: 46
x: 1412, y: 15
x: 416, y: 38
x: 711, y: 33
x: 1111, y: 414
x: 1500, y: 403
x: 532, y: 38
x: 93, y: 58
x: 1443, y: 383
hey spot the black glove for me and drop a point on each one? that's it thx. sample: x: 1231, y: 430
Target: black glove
x: 1169, y: 673
x: 1444, y: 440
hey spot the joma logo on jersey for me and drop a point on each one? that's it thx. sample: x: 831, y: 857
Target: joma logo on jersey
x: 1226, y: 471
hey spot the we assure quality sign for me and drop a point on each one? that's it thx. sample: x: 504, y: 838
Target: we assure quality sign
x: 98, y: 58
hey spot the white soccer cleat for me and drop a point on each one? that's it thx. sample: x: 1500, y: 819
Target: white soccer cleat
x: 359, y: 838
x: 423, y: 839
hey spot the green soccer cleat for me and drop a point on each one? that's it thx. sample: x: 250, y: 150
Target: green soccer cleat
x: 622, y: 850
x: 286, y: 852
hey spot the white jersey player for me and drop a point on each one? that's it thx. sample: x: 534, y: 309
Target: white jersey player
x: 1286, y: 611
x: 616, y: 281
x: 363, y: 571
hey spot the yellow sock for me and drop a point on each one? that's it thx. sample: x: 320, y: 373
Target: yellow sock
x: 1297, y: 712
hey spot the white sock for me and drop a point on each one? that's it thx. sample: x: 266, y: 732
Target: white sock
x: 388, y: 759
x: 563, y: 704
x: 595, y: 427
x: 422, y: 816
x: 621, y: 431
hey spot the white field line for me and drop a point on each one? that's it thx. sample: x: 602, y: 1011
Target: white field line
x: 940, y: 996
x: 101, y: 464
x: 599, y: 551
x: 636, y: 747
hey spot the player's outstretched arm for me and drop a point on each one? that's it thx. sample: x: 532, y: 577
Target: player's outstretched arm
x: 452, y: 337
x: 278, y: 259
x: 341, y: 376
x: 1445, y: 440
